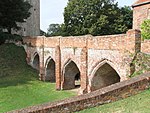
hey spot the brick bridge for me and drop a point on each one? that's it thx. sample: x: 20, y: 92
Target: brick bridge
x: 95, y: 61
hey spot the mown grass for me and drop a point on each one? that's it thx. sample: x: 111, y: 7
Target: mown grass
x: 19, y: 84
x: 139, y: 103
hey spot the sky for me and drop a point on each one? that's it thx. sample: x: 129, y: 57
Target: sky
x: 52, y: 11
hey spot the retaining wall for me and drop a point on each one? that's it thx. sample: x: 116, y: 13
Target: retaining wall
x: 105, y: 95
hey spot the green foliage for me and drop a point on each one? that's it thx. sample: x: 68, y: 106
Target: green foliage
x: 9, y: 37
x: 13, y: 11
x: 124, y: 22
x: 136, y: 73
x: 2, y: 38
x: 19, y: 84
x: 54, y: 30
x: 141, y: 64
x: 96, y: 17
x: 145, y: 27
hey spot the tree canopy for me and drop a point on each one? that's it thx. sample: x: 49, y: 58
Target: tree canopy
x: 96, y: 17
x: 13, y: 11
x: 54, y: 30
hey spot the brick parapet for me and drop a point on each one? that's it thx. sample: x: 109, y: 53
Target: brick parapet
x: 36, y: 41
x: 73, y: 41
x: 105, y: 95
x: 110, y: 42
x: 133, y: 42
x: 52, y: 42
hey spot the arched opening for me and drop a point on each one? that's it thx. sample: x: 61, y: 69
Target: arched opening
x: 71, y: 76
x: 77, y: 80
x: 50, y: 71
x: 104, y: 76
x: 36, y: 62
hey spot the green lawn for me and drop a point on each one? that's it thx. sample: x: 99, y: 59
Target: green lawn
x: 139, y: 103
x: 19, y: 84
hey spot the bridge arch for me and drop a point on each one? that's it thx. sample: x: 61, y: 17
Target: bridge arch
x: 104, y: 74
x: 36, y: 61
x: 50, y: 70
x: 71, y: 75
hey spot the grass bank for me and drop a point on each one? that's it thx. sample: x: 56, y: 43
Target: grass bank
x: 135, y: 104
x: 19, y: 84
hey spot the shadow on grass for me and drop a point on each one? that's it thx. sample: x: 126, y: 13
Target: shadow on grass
x: 19, y: 78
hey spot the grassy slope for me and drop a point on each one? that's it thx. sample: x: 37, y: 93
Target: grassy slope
x: 136, y: 104
x: 19, y: 84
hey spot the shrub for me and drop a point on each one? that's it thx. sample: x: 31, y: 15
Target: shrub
x: 6, y: 36
x: 2, y: 38
x: 145, y: 28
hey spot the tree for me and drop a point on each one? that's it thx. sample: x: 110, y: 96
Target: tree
x: 12, y: 12
x: 145, y: 28
x: 125, y: 18
x: 54, y: 30
x: 96, y: 17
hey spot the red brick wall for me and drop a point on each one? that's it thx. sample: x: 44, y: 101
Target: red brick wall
x: 34, y: 41
x: 145, y: 46
x: 50, y: 42
x: 87, y: 52
x: 73, y: 41
x: 140, y: 13
x: 58, y: 67
x: 106, y: 95
x: 111, y: 42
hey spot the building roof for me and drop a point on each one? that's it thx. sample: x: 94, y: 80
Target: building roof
x: 141, y: 2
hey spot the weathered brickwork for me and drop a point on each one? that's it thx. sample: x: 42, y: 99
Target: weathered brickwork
x: 102, y: 63
x: 58, y: 67
x: 141, y: 12
x: 86, y: 56
x: 88, y: 53
x: 105, y: 95
x: 145, y: 46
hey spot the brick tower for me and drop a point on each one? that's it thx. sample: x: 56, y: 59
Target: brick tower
x: 141, y: 12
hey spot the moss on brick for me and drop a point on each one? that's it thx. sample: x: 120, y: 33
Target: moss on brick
x: 141, y: 63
